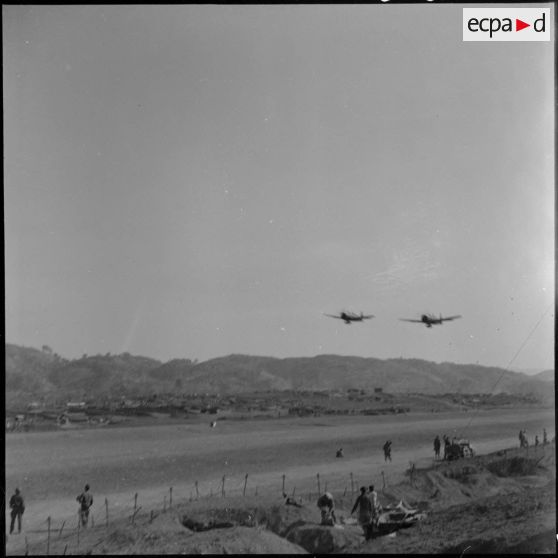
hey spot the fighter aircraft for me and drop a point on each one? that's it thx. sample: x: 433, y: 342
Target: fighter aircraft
x: 349, y: 317
x: 429, y: 319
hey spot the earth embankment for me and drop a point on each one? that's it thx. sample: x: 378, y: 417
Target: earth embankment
x: 518, y: 513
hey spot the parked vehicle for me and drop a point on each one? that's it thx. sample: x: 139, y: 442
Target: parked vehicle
x: 460, y: 449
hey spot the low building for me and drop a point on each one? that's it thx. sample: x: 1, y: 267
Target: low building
x: 76, y: 405
x: 66, y: 419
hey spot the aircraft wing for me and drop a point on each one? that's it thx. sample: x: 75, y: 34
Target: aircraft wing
x: 414, y: 321
x: 333, y: 316
x: 451, y: 318
x: 367, y: 317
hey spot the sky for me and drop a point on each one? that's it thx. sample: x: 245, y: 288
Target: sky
x: 195, y: 181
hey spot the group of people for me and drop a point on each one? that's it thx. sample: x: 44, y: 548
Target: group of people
x: 438, y: 446
x: 524, y: 443
x: 17, y: 507
x: 366, y: 504
x: 386, y: 447
x: 447, y: 445
x: 369, y: 510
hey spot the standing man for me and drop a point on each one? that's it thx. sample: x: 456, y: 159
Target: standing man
x: 447, y: 445
x: 17, y: 508
x: 364, y: 506
x: 437, y: 445
x: 85, y: 500
x: 376, y: 508
x: 387, y: 450
x: 545, y: 439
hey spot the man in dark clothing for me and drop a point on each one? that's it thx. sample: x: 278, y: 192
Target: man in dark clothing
x: 85, y: 500
x: 325, y: 503
x: 376, y: 508
x: 364, y: 506
x: 545, y: 438
x: 447, y: 445
x: 387, y: 450
x: 437, y: 446
x: 17, y: 506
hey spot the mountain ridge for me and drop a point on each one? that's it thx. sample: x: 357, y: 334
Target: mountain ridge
x: 41, y: 372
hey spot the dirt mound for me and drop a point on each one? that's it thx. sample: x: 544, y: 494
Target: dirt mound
x: 516, y: 466
x: 461, y: 481
x: 235, y: 540
x: 246, y: 512
x: 325, y: 540
x: 166, y: 524
x: 239, y: 540
x: 120, y: 538
x: 505, y: 523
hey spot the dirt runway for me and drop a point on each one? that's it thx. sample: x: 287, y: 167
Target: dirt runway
x: 52, y: 467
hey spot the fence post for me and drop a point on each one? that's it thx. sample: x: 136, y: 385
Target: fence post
x: 384, y: 481
x: 48, y: 537
x: 134, y: 515
x: 135, y: 501
x: 79, y: 527
x: 283, y: 489
x: 318, y: 477
x: 61, y: 528
x: 245, y: 481
x: 223, y: 487
x: 197, y: 491
x: 170, y: 497
x: 353, y: 485
x: 106, y: 513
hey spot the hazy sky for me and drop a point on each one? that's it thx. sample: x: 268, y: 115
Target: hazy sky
x: 194, y: 181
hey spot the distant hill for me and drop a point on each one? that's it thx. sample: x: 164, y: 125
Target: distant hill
x: 545, y: 376
x: 28, y: 368
x: 329, y: 372
x: 30, y: 372
x: 40, y: 373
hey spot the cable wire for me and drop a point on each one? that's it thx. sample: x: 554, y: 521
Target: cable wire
x: 509, y: 364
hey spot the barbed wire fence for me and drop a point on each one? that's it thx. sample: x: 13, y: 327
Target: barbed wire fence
x: 70, y: 532
x: 107, y: 514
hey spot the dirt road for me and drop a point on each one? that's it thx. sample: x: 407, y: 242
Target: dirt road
x: 52, y: 467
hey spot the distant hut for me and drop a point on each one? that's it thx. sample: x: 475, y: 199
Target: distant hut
x: 69, y: 419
